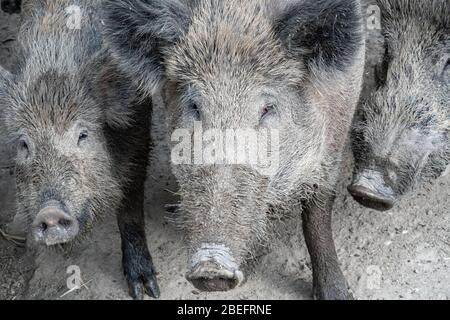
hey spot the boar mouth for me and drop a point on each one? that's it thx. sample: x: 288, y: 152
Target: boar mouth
x: 209, y: 277
x: 370, y: 190
x: 370, y: 199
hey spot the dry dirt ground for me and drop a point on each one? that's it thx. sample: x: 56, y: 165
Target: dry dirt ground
x: 403, y: 254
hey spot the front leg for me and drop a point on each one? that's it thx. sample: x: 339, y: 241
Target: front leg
x: 136, y: 260
x: 328, y: 281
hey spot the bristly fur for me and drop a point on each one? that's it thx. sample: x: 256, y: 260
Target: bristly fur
x: 406, y: 122
x: 433, y: 12
x: 82, y: 136
x: 218, y: 56
x: 150, y: 25
x: 153, y: 27
x: 66, y: 78
x: 325, y: 31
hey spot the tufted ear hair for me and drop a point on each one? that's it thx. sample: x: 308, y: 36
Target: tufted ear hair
x: 137, y: 32
x: 321, y: 32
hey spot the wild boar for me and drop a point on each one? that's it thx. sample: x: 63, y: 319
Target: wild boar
x: 293, y: 68
x: 81, y: 134
x: 401, y: 140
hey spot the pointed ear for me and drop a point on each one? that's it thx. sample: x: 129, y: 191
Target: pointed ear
x: 137, y: 32
x: 111, y: 89
x: 321, y: 32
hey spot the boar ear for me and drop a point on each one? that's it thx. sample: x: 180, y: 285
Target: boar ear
x: 137, y: 32
x: 327, y: 32
x: 111, y: 88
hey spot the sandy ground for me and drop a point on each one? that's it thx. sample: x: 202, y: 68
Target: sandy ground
x: 403, y: 254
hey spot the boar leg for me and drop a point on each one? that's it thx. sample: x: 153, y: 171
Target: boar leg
x: 328, y: 281
x: 137, y: 261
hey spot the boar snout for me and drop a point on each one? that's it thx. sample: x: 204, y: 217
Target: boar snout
x: 370, y: 190
x: 54, y: 226
x: 214, y: 269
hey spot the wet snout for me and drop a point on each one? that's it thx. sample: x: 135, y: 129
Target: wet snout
x: 54, y: 226
x: 370, y: 190
x: 214, y: 269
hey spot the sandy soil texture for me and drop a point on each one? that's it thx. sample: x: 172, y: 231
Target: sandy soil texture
x: 402, y: 254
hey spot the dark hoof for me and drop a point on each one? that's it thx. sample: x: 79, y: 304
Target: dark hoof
x: 143, y: 285
x: 141, y: 278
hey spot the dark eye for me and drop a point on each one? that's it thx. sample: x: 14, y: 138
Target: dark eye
x: 267, y: 110
x: 23, y: 149
x: 447, y: 70
x: 194, y: 110
x: 82, y: 137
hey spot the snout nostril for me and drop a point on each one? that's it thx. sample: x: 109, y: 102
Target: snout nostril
x: 213, y: 268
x: 65, y: 223
x: 53, y: 225
x: 44, y: 226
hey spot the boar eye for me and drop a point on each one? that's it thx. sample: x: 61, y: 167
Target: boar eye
x: 194, y: 110
x: 23, y: 149
x: 267, y: 110
x: 82, y: 137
